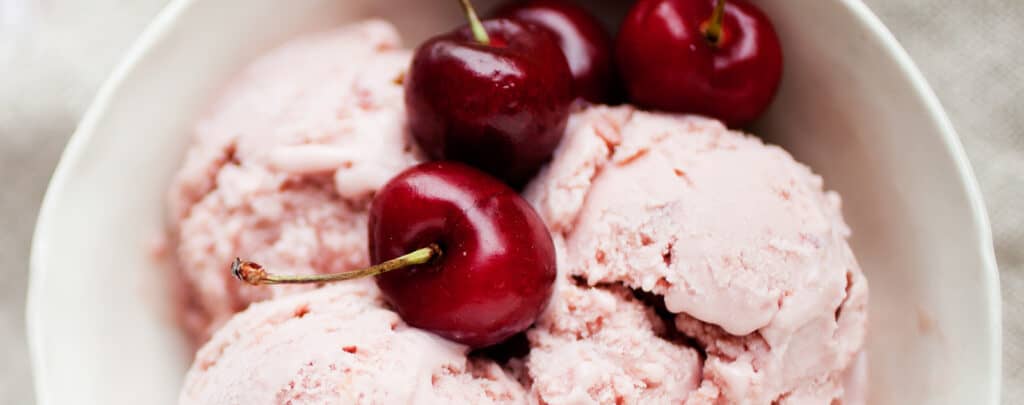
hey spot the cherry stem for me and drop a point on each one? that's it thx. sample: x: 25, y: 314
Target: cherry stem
x: 713, y: 27
x: 479, y: 33
x: 255, y: 274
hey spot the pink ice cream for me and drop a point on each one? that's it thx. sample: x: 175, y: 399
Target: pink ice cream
x: 697, y: 264
x: 283, y: 165
x: 604, y: 346
x: 337, y: 345
x: 738, y: 240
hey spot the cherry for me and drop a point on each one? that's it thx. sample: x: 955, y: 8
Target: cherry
x: 495, y: 95
x: 585, y: 43
x: 498, y: 267
x: 482, y: 263
x: 697, y: 56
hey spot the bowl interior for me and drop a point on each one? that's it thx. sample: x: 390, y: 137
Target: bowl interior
x: 851, y: 106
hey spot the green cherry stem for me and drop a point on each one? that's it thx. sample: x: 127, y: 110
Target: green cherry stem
x: 713, y: 27
x: 479, y: 33
x: 255, y: 274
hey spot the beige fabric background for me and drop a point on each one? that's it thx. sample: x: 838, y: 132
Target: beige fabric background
x: 55, y: 53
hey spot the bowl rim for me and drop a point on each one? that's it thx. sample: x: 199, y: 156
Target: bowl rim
x: 168, y: 17
x: 979, y: 215
x: 153, y: 33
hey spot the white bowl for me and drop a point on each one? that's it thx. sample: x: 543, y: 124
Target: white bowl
x: 852, y: 105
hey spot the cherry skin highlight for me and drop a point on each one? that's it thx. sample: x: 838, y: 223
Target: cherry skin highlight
x: 496, y: 270
x: 669, y: 60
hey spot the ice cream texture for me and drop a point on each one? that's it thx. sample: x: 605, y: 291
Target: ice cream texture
x: 337, y: 345
x: 746, y: 251
x: 697, y: 264
x: 283, y: 165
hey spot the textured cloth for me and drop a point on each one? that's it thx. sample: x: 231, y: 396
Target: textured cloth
x: 55, y: 53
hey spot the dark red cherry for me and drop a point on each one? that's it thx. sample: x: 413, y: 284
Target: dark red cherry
x: 713, y: 57
x: 455, y: 252
x: 496, y: 270
x: 585, y: 43
x: 500, y: 105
